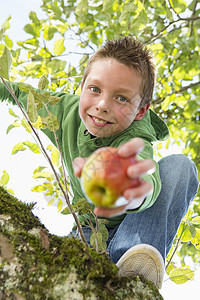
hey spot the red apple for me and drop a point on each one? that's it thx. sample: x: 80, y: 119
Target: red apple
x: 104, y: 176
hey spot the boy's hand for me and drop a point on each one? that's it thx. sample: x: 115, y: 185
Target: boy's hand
x: 133, y: 195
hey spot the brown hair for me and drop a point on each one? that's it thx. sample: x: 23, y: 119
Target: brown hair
x: 132, y: 53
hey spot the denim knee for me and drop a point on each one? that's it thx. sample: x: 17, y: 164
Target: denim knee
x: 178, y: 169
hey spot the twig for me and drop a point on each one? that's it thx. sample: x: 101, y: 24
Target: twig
x: 190, y: 86
x: 154, y: 37
x: 175, y: 249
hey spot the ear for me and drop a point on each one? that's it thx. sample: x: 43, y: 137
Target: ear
x: 81, y: 85
x: 141, y: 112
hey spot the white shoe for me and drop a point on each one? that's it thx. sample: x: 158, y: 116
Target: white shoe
x: 143, y: 260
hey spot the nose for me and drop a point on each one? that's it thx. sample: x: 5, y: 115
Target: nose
x: 103, y: 106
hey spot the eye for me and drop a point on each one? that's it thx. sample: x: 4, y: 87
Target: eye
x: 122, y: 99
x: 94, y: 89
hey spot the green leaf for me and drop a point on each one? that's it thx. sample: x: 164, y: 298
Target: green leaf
x: 43, y: 83
x: 56, y: 66
x: 179, y: 73
x: 11, y: 126
x: 196, y: 240
x: 38, y: 188
x: 196, y: 220
x: 104, y: 231
x: 59, y: 47
x: 55, y: 156
x: 93, y: 240
x: 24, y: 87
x: 31, y: 108
x: 192, y: 5
x: 52, y: 122
x: 181, y: 275
x: 97, y: 239
x: 66, y: 211
x: 51, y: 202
x: 5, y: 63
x: 33, y: 17
x: 26, y: 125
x: 56, y: 9
x: 6, y: 24
x: 170, y: 268
x: 41, y: 123
x: 32, y: 29
x: 33, y: 147
x: 186, y: 232
x: 10, y: 191
x: 179, y: 5
x: 18, y: 147
x: 1, y: 34
x: 39, y: 169
x: 108, y: 5
x: 48, y: 185
x: 8, y: 42
x: 54, y: 100
x: 60, y: 204
x: 82, y: 206
x: 12, y: 113
x: 4, y: 178
x: 47, y: 175
x: 49, y: 32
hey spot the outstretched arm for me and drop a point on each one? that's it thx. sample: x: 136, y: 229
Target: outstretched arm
x: 135, y: 196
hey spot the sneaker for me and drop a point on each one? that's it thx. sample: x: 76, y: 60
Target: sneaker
x: 143, y: 260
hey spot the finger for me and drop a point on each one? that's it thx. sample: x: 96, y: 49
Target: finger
x: 109, y: 213
x: 78, y: 164
x: 143, y: 190
x: 142, y: 167
x: 131, y: 148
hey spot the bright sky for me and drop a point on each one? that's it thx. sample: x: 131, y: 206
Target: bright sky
x: 20, y: 166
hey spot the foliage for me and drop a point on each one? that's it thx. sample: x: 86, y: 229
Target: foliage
x: 59, y: 45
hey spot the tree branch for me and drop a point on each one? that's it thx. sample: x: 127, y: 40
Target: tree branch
x: 184, y: 88
x: 154, y: 37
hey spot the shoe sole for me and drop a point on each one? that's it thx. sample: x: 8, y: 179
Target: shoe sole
x: 143, y: 260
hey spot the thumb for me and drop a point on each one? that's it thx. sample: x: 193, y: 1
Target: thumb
x: 78, y: 164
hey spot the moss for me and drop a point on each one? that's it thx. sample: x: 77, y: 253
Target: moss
x: 20, y: 212
x: 46, y: 266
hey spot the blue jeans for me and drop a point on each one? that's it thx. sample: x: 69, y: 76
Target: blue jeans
x: 157, y: 225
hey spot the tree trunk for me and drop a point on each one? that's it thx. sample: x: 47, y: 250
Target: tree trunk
x: 35, y: 264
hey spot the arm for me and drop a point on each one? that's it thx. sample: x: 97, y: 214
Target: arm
x: 5, y: 94
x: 60, y: 109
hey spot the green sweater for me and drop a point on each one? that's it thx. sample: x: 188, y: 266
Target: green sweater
x: 74, y: 140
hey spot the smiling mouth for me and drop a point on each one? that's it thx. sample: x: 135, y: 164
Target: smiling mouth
x: 99, y: 121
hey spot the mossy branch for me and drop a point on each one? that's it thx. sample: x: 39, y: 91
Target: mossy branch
x: 36, y: 265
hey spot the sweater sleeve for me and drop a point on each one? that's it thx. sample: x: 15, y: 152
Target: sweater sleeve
x: 5, y: 94
x: 154, y: 178
x: 60, y: 109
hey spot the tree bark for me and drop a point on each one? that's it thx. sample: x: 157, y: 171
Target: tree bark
x: 35, y: 264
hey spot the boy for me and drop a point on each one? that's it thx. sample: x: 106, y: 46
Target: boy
x: 113, y: 110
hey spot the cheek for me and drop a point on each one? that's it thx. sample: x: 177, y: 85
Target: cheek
x: 81, y: 108
x: 125, y: 116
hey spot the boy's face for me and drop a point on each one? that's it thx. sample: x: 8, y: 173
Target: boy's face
x: 110, y: 98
